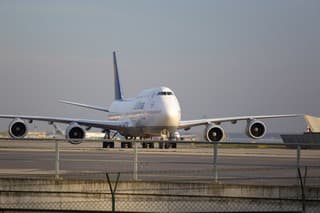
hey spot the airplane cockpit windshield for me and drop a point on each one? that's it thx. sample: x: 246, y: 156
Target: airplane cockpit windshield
x: 165, y: 93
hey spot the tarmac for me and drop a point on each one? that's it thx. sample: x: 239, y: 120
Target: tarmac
x: 187, y: 163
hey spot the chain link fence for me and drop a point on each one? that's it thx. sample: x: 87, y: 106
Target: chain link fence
x: 47, y: 195
x: 247, y: 163
x: 155, y: 203
x: 257, y: 164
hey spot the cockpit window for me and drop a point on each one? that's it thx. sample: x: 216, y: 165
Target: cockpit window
x: 165, y: 93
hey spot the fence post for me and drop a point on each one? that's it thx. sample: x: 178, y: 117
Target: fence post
x: 57, y: 176
x: 135, y: 162
x: 215, y: 156
x: 305, y: 175
x: 113, y: 191
x: 303, y: 198
x: 298, y: 161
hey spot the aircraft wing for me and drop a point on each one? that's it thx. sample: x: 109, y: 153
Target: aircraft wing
x: 191, y: 123
x: 108, y: 124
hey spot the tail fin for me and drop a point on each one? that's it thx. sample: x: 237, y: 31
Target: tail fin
x: 117, y: 86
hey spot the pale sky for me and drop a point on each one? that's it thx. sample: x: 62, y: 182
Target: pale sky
x: 222, y: 58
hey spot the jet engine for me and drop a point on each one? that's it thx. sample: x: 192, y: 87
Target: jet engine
x: 256, y: 129
x: 75, y: 131
x: 18, y: 128
x: 214, y: 133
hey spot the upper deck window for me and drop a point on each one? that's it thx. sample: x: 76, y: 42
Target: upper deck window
x: 165, y: 93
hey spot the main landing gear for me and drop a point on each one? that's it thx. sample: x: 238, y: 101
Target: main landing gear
x: 125, y: 144
x: 164, y: 143
x: 107, y: 136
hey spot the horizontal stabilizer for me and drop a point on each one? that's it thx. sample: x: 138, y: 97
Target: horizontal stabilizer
x: 99, y: 108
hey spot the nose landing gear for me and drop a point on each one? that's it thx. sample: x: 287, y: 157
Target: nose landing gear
x: 167, y: 140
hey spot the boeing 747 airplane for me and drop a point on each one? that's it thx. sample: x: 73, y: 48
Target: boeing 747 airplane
x: 154, y: 112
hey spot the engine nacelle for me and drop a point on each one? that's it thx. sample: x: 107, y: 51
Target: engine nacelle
x: 175, y: 136
x: 75, y: 131
x: 256, y: 129
x: 214, y: 133
x: 18, y: 128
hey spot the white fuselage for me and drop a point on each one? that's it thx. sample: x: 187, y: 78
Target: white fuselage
x: 152, y: 112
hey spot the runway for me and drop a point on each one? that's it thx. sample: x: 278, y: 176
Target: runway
x: 189, y: 163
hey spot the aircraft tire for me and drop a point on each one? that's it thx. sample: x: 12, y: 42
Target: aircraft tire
x: 123, y: 145
x: 160, y: 145
x: 151, y: 145
x: 107, y: 144
x: 104, y: 144
x: 167, y: 145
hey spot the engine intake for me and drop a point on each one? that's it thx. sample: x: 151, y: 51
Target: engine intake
x: 18, y: 129
x: 256, y: 129
x: 214, y: 133
x: 75, y: 131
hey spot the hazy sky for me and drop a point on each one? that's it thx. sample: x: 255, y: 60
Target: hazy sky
x: 222, y: 58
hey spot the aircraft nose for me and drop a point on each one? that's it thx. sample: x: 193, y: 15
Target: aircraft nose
x: 172, y: 116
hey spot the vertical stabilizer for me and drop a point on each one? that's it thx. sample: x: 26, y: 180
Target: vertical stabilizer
x: 117, y: 86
